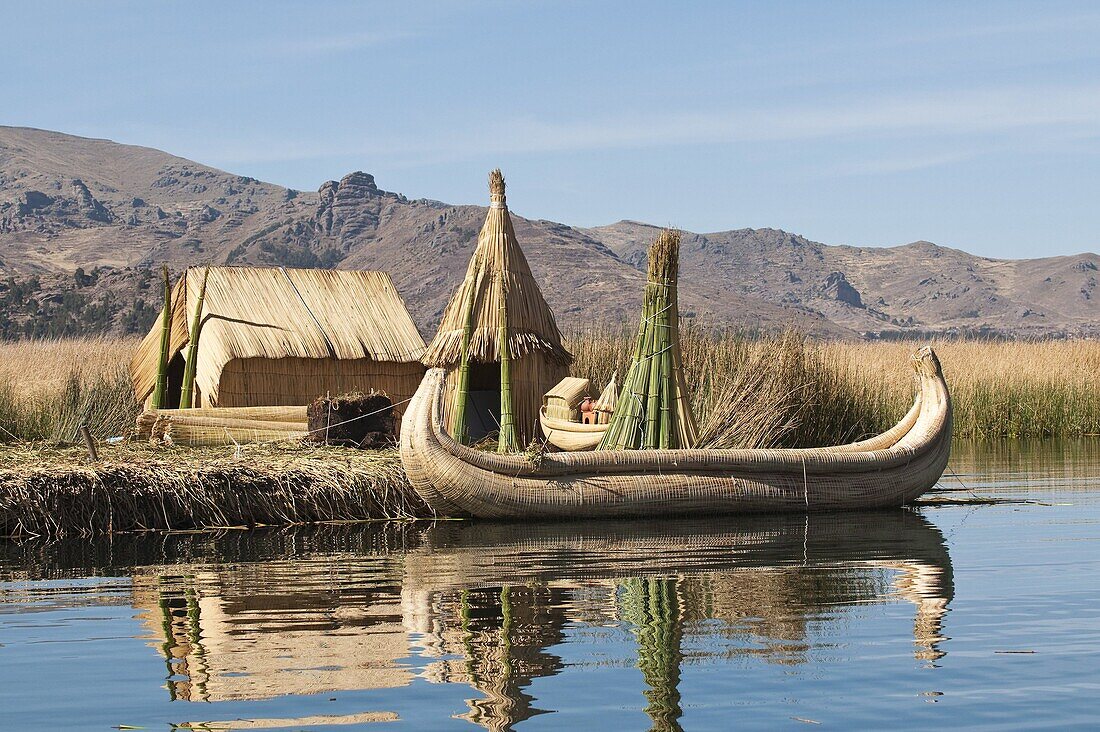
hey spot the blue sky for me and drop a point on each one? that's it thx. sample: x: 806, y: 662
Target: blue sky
x: 974, y: 125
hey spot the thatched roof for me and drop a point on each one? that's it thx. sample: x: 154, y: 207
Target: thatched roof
x: 531, y: 323
x: 252, y: 312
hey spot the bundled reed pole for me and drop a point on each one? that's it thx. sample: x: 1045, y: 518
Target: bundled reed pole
x: 188, y: 388
x: 507, y: 441
x: 160, y: 391
x: 653, y: 410
x: 462, y: 386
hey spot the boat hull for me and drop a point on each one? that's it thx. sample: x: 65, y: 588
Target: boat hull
x: 889, y: 470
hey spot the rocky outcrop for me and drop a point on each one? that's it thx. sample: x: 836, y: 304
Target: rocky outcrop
x: 350, y: 207
x: 836, y: 287
x: 32, y: 201
x: 90, y: 207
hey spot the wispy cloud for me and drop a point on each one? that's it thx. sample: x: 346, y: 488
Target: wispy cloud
x: 902, y: 164
x: 335, y: 43
x: 1041, y: 114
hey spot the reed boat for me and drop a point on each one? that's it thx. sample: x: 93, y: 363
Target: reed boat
x: 890, y: 469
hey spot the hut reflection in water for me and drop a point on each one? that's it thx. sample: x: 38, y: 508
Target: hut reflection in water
x: 488, y: 605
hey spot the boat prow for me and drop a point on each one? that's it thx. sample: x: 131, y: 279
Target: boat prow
x: 890, y: 469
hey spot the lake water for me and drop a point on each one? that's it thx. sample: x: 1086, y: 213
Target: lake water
x: 984, y: 615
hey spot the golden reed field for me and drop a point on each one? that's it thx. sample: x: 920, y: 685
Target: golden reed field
x: 781, y: 389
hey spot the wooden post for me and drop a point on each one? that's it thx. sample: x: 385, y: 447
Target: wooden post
x: 188, y: 388
x: 160, y: 391
x: 89, y: 443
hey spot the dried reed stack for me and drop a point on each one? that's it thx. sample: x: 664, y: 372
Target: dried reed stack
x: 145, y: 421
x: 160, y: 390
x: 653, y: 410
x: 188, y: 388
x: 498, y: 289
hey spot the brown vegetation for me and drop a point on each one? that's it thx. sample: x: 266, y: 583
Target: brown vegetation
x: 788, y: 390
x: 780, y: 389
x: 48, y: 388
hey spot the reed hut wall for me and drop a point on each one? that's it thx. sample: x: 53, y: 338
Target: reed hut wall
x: 530, y: 375
x: 278, y: 336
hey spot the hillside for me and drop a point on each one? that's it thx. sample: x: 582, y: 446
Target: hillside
x: 83, y: 222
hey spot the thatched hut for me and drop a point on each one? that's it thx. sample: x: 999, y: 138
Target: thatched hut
x: 538, y: 359
x: 278, y: 336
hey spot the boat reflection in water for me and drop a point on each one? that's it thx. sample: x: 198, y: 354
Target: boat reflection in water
x: 490, y: 605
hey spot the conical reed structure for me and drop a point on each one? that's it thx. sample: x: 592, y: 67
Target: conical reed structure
x: 497, y: 301
x: 653, y: 410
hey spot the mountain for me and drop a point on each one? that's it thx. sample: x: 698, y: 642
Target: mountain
x: 918, y: 286
x: 83, y: 223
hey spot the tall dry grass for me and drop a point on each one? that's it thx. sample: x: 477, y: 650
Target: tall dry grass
x: 998, y: 388
x: 747, y: 390
x: 48, y: 388
x: 787, y: 390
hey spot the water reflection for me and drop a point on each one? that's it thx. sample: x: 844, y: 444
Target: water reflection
x: 1069, y: 463
x: 255, y: 615
x: 755, y: 584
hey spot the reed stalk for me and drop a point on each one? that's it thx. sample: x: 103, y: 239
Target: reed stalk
x: 655, y: 377
x: 507, y: 441
x: 188, y: 388
x: 160, y: 391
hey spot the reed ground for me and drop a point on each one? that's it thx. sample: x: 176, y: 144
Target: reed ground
x: 55, y: 491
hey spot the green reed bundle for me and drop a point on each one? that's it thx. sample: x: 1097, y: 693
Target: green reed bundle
x: 462, y: 387
x: 507, y: 441
x: 652, y: 410
x: 160, y: 391
x: 188, y: 388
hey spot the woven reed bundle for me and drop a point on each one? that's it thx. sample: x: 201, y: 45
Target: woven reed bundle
x: 257, y: 424
x: 267, y: 314
x: 148, y: 418
x: 192, y: 435
x: 562, y: 401
x: 654, y: 410
x: 457, y: 480
x: 608, y: 399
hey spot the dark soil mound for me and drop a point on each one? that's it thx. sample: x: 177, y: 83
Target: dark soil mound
x: 353, y: 420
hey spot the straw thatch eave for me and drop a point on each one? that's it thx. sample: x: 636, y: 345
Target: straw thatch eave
x: 531, y: 325
x: 274, y: 313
